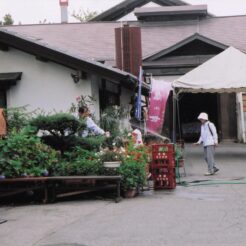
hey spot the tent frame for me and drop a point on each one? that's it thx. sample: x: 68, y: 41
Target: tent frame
x: 177, y: 91
x: 217, y: 75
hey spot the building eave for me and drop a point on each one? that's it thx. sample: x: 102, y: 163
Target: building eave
x: 9, y: 79
x: 47, y: 53
x: 183, y: 42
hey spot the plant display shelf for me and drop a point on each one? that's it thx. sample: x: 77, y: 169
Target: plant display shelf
x: 60, y: 186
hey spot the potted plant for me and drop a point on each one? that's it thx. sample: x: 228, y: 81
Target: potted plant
x: 133, y: 169
x: 179, y: 159
x: 111, y: 158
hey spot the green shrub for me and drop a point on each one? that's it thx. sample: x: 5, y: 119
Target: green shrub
x: 24, y: 154
x: 82, y: 101
x: 91, y: 143
x: 79, y: 162
x: 17, y: 118
x: 133, y: 174
x: 110, y: 155
x: 133, y: 168
x: 60, y: 124
x: 110, y: 121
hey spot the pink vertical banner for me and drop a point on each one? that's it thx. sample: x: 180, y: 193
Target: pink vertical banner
x: 157, y: 105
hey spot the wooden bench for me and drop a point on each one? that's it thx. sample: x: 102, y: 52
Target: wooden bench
x: 60, y: 186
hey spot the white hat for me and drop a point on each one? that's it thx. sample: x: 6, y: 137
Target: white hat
x: 203, y: 116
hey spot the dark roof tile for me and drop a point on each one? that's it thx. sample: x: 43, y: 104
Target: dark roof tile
x: 95, y: 41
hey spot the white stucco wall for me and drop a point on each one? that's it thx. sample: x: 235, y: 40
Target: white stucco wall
x: 44, y: 85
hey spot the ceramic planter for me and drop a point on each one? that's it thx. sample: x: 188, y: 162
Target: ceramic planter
x: 130, y: 193
x: 111, y: 164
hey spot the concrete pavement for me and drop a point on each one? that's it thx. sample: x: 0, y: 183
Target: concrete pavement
x: 193, y: 215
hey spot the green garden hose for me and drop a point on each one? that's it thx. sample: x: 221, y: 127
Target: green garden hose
x: 212, y: 182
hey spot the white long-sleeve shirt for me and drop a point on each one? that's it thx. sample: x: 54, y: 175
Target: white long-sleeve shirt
x: 91, y: 127
x: 208, y: 137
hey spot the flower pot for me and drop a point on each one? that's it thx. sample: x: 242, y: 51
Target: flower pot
x: 130, y: 193
x: 111, y: 164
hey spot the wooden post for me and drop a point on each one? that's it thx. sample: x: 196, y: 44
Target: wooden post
x: 3, y: 124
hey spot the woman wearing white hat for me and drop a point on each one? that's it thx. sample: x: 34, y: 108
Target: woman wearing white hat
x: 209, y: 139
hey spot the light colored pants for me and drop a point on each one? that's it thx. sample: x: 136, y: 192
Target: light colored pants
x: 209, y: 157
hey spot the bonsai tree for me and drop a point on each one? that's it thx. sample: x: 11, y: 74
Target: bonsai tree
x: 59, y: 130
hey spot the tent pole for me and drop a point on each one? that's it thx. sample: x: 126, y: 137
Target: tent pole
x: 174, y: 115
x: 241, y: 117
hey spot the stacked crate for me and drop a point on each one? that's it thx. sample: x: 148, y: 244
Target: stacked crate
x: 162, y: 166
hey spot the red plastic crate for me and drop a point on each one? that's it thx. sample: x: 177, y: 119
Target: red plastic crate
x: 162, y: 148
x: 162, y: 155
x: 162, y: 163
x: 165, y: 182
x: 164, y: 178
x: 162, y: 170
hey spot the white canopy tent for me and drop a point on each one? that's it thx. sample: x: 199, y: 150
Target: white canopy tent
x: 225, y: 72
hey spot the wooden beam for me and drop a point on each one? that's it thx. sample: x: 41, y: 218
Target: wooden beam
x: 42, y: 59
x: 168, y: 71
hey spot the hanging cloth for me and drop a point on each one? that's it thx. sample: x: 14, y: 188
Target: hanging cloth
x: 157, y: 106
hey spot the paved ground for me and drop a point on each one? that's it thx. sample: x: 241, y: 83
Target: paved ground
x: 196, y: 215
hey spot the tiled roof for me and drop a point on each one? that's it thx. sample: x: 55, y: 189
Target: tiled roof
x: 226, y: 30
x: 95, y: 41
x: 57, y: 53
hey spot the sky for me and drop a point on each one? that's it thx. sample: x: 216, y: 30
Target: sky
x: 34, y: 11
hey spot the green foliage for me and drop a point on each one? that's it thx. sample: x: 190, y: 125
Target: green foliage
x: 91, y: 143
x: 133, y: 168
x: 59, y: 124
x: 133, y: 174
x: 82, y: 101
x: 178, y: 154
x: 17, y: 118
x: 139, y: 154
x: 110, y: 121
x: 61, y: 128
x: 22, y: 153
x: 84, y: 15
x: 111, y: 155
x: 7, y: 20
x: 79, y: 162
